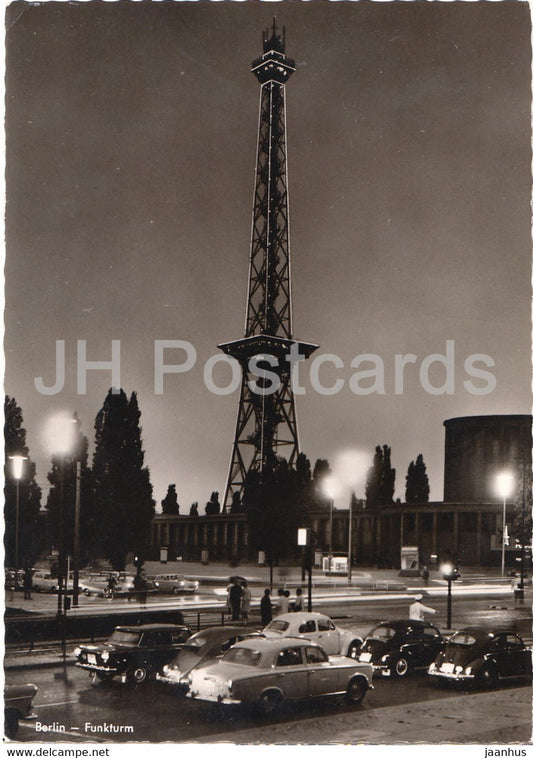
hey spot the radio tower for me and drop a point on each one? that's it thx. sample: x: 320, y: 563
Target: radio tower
x: 266, y: 421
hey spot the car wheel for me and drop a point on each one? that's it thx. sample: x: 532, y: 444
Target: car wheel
x: 269, y: 701
x: 356, y: 690
x: 175, y: 591
x: 401, y: 667
x: 11, y: 723
x: 488, y: 676
x: 139, y: 674
x: 87, y: 592
x: 353, y: 649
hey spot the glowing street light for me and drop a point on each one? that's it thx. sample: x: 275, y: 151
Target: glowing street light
x: 17, y: 463
x: 504, y: 485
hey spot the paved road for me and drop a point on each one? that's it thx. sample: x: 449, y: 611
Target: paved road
x: 416, y: 709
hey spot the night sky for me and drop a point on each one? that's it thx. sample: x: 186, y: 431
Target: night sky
x: 131, y: 139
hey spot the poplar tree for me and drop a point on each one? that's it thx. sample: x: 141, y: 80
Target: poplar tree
x: 170, y: 504
x: 417, y: 482
x: 380, y: 478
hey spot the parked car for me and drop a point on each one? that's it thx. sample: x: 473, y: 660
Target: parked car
x: 484, y: 656
x: 43, y: 581
x: 18, y: 704
x: 134, y: 653
x: 395, y: 648
x: 265, y: 672
x: 177, y: 584
x: 316, y: 627
x: 10, y: 583
x: 201, y: 649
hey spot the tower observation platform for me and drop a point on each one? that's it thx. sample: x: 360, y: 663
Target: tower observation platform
x: 266, y: 425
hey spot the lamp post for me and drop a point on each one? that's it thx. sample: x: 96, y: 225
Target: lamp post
x: 504, y: 487
x: 304, y: 541
x: 448, y: 574
x: 17, y: 466
x: 60, y: 432
x: 330, y: 488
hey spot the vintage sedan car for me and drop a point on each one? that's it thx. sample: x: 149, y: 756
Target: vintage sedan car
x: 133, y: 653
x: 315, y: 627
x: 484, y: 656
x: 264, y: 672
x: 396, y: 648
x: 43, y: 581
x: 18, y: 704
x: 176, y: 584
x: 202, y: 649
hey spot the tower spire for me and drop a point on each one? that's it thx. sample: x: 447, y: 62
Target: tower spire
x: 266, y: 419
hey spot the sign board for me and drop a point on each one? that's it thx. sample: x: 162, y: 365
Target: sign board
x: 409, y: 559
x: 339, y: 564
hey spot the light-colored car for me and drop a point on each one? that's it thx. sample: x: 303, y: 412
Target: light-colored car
x: 318, y: 628
x: 43, y: 581
x: 265, y: 672
x: 18, y: 704
x: 177, y: 584
x: 202, y: 649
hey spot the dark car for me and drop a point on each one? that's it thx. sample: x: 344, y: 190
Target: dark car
x: 201, y: 649
x: 395, y: 648
x: 484, y: 656
x: 18, y: 703
x: 134, y: 653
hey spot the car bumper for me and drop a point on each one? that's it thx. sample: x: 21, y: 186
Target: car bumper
x: 451, y: 675
x: 223, y: 700
x: 173, y: 681
x: 95, y: 667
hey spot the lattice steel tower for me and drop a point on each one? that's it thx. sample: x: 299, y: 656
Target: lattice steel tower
x: 266, y: 421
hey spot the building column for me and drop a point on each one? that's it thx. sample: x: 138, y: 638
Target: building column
x: 456, y: 533
x: 401, y: 528
x: 417, y: 529
x: 478, y: 539
x: 434, y: 534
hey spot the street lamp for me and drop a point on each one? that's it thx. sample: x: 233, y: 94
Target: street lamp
x: 330, y: 488
x: 17, y: 462
x: 304, y: 541
x: 448, y: 574
x: 505, y: 485
x: 60, y: 434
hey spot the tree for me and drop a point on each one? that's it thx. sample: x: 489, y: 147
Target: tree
x: 61, y: 500
x: 29, y: 491
x: 380, y: 478
x: 236, y: 504
x: 123, y: 492
x: 213, y: 506
x: 194, y: 509
x: 417, y: 482
x: 318, y: 498
x: 170, y: 503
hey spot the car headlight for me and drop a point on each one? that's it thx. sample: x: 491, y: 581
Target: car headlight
x: 468, y: 670
x: 432, y: 667
x: 230, y: 685
x: 458, y: 669
x: 77, y: 651
x: 166, y: 669
x: 105, y: 656
x: 384, y: 658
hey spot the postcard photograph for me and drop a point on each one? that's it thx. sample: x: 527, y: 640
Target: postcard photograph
x: 267, y: 346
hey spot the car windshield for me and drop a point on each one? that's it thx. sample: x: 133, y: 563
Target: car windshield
x: 245, y: 656
x: 461, y: 638
x: 383, y: 633
x: 196, y: 642
x: 278, y: 626
x: 124, y: 637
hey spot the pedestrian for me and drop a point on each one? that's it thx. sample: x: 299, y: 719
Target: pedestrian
x: 425, y: 576
x: 266, y: 608
x: 283, y: 602
x: 111, y: 584
x: 246, y: 602
x: 417, y: 610
x: 235, y: 598
x: 27, y: 583
x: 298, y: 604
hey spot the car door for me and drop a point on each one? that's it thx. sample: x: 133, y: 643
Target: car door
x: 497, y: 654
x: 431, y: 643
x: 517, y: 661
x: 291, y: 673
x: 327, y: 636
x: 323, y: 678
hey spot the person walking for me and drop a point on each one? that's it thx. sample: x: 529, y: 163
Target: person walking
x: 417, y: 610
x: 246, y: 602
x: 235, y: 598
x: 27, y: 583
x: 266, y: 608
x: 283, y: 603
x: 298, y: 604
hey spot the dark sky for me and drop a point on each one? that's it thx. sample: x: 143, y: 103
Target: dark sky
x: 131, y: 137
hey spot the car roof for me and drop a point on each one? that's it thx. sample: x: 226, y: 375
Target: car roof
x: 486, y: 631
x: 148, y: 627
x: 223, y: 631
x: 299, y: 616
x: 273, y: 643
x: 404, y: 623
